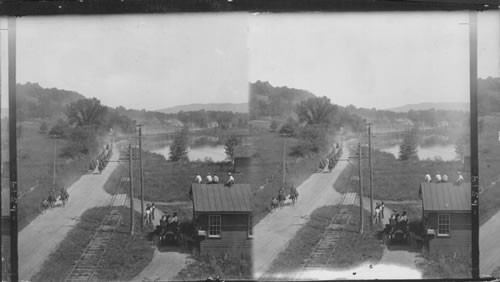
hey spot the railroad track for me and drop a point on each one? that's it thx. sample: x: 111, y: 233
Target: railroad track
x: 324, y: 250
x: 86, y: 266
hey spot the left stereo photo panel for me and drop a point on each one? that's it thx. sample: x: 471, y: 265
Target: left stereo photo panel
x: 129, y: 130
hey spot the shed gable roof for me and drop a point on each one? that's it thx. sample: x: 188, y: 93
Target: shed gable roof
x: 221, y: 198
x: 445, y: 197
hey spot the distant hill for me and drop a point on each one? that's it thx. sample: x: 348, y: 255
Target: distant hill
x: 428, y: 106
x: 34, y: 101
x: 219, y: 107
x: 268, y: 100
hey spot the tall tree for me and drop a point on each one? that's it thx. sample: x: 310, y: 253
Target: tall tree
x: 86, y: 112
x: 231, y: 142
x: 178, y: 148
x: 317, y: 110
x: 408, y: 149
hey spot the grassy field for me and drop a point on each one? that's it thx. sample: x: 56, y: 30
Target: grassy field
x: 445, y: 266
x: 35, y: 169
x: 398, y: 180
x: 125, y: 257
x: 353, y: 248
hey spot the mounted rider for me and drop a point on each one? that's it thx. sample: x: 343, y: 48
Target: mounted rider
x: 293, y: 191
x: 64, y: 193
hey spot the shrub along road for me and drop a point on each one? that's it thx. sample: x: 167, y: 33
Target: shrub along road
x: 274, y: 231
x: 41, y: 237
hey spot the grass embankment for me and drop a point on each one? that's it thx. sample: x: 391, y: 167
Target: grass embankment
x: 398, y: 180
x: 125, y: 257
x: 226, y: 267
x: 352, y: 248
x: 35, y: 169
x: 441, y: 266
x: 489, y: 168
x: 266, y: 169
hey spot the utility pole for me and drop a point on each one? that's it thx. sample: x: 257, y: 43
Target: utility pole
x: 284, y: 165
x: 131, y: 179
x: 360, y: 191
x: 474, y: 144
x: 141, y: 175
x: 54, y: 174
x: 371, y: 171
x: 14, y: 259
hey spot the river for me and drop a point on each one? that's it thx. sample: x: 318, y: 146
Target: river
x: 217, y: 153
x: 445, y: 152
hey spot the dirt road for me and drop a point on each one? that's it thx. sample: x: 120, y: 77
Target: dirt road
x: 273, y: 232
x: 42, y: 236
x: 165, y: 265
x: 489, y: 251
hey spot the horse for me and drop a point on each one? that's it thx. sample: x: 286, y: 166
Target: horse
x: 294, y: 195
x: 274, y: 204
x: 281, y: 200
x: 64, y: 197
x: 52, y: 200
x: 45, y: 205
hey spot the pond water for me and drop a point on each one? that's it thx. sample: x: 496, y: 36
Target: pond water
x: 445, y: 152
x: 217, y: 153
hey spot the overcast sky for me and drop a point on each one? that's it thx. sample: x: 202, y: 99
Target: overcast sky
x: 377, y: 60
x: 138, y: 61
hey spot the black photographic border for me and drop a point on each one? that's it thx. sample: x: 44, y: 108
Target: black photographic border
x: 14, y: 9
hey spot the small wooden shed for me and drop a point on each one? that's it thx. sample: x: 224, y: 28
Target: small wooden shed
x: 223, y: 217
x: 446, y: 216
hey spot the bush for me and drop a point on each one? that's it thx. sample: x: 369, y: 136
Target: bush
x: 314, y: 136
x: 60, y: 129
x: 226, y: 266
x: 231, y: 142
x: 273, y: 126
x: 178, y: 149
x: 300, y: 151
x: 290, y: 128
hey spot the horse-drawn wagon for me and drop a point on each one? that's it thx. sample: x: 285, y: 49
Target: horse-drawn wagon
x: 167, y: 234
x: 397, y: 231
